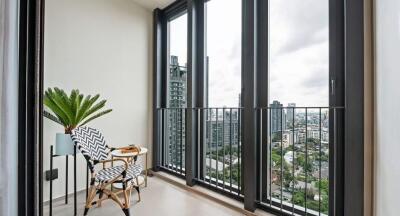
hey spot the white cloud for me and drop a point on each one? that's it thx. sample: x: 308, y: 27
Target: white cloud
x: 299, y: 51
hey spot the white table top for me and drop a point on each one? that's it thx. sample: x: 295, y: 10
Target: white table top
x: 118, y: 153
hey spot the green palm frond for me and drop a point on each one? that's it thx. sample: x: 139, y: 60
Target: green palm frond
x: 73, y: 109
x: 96, y: 116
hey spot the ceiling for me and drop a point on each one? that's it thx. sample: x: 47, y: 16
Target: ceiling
x: 152, y: 4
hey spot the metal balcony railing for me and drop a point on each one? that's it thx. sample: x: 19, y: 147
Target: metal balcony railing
x: 173, y: 139
x: 220, y: 154
x: 295, y: 149
x: 294, y: 146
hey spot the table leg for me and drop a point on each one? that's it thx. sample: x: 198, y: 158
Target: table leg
x: 51, y: 182
x: 66, y: 179
x: 75, y: 210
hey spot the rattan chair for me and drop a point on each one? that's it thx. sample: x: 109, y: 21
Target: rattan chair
x: 92, y: 145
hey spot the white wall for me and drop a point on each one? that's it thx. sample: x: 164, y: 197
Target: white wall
x: 8, y: 106
x: 100, y: 46
x: 387, y: 165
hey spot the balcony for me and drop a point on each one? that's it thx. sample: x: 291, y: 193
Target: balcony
x: 199, y: 86
x: 295, y: 146
x: 161, y: 198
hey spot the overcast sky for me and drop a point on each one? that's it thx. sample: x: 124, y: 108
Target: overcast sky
x: 298, y: 45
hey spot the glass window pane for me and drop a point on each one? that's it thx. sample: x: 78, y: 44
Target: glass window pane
x: 176, y: 93
x: 298, y: 78
x: 223, y: 51
x: 299, y: 52
x: 223, y: 87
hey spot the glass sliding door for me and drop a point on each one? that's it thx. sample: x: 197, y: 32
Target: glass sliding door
x: 175, y: 112
x: 221, y: 147
x: 298, y: 139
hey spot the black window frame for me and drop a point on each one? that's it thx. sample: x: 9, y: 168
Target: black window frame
x: 346, y: 71
x: 350, y: 200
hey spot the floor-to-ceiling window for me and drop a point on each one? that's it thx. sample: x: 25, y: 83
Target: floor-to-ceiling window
x: 298, y: 145
x: 176, y: 98
x: 294, y: 114
x: 222, y: 50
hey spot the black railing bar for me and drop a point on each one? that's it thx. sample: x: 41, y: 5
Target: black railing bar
x: 238, y: 108
x: 306, y: 164
x: 235, y: 196
x: 209, y: 108
x: 207, y: 145
x: 270, y: 155
x: 161, y: 138
x: 282, y: 158
x: 230, y: 149
x: 320, y: 156
x: 216, y: 161
x: 166, y: 142
x: 210, y: 136
x: 169, y: 142
x: 223, y: 146
x: 172, y: 148
x: 176, y: 139
x: 198, y: 143
x: 172, y: 172
x: 172, y: 108
x: 220, y: 184
x: 293, y: 160
x: 332, y: 194
x: 239, y: 179
x: 179, y: 134
x: 261, y: 158
x: 181, y: 144
x: 304, y: 107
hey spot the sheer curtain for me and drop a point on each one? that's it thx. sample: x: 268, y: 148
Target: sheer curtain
x: 8, y: 106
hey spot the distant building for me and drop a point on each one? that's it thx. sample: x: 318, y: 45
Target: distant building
x: 290, y: 115
x: 222, y: 128
x: 276, y: 116
x: 177, y: 90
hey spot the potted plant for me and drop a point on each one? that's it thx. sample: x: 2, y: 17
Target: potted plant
x: 72, y: 111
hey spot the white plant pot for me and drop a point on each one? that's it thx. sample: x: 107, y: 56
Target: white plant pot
x: 64, y: 144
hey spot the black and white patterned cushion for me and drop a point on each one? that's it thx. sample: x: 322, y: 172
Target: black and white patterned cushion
x: 90, y: 142
x: 92, y: 145
x: 110, y: 173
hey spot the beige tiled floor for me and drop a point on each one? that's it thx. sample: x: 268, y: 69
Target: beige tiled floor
x: 159, y: 198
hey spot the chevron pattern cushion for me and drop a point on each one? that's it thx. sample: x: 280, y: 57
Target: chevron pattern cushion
x: 90, y: 142
x: 108, y: 174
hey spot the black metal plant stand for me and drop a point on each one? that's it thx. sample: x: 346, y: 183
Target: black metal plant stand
x: 66, y: 180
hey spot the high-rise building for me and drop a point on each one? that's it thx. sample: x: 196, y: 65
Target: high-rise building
x: 177, y: 90
x: 276, y: 116
x: 177, y: 84
x: 290, y: 115
x: 223, y: 128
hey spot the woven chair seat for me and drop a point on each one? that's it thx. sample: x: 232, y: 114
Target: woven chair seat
x: 110, y: 173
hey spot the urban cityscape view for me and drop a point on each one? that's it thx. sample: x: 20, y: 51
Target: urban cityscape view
x: 297, y: 155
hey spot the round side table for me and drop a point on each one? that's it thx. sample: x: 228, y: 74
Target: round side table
x: 129, y: 157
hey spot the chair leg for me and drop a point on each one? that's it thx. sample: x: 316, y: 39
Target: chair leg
x: 86, y: 211
x: 126, y: 211
x: 138, y: 191
x: 100, y: 196
x: 91, y: 195
x: 126, y: 199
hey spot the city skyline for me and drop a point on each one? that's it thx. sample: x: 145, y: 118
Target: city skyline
x: 305, y: 81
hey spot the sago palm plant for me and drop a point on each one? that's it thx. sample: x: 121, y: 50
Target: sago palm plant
x: 74, y: 110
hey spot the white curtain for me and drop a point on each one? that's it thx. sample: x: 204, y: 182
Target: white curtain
x: 8, y: 106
